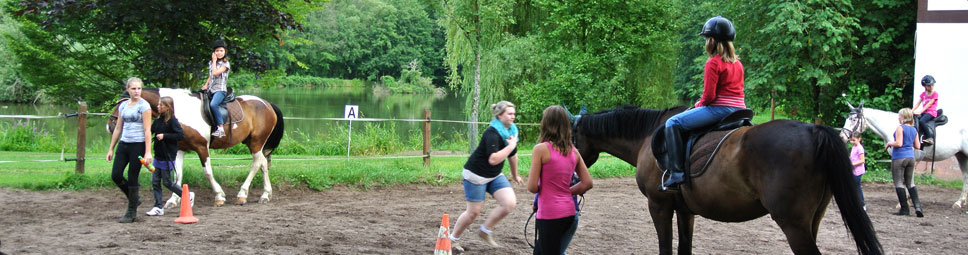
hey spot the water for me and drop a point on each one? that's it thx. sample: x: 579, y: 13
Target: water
x: 307, y: 103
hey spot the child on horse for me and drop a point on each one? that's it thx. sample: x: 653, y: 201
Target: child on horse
x: 553, y: 162
x: 722, y: 94
x: 167, y: 134
x: 902, y: 161
x: 218, y: 73
x: 132, y: 129
x: 927, y: 107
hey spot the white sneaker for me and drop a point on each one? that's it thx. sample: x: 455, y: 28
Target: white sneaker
x: 155, y: 211
x: 191, y: 199
x: 219, y: 132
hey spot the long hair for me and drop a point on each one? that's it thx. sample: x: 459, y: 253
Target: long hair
x: 724, y: 49
x: 556, y: 128
x: 169, y: 108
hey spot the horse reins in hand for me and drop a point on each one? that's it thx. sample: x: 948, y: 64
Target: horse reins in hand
x: 581, y: 203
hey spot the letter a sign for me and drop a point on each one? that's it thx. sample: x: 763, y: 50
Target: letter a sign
x: 351, y: 111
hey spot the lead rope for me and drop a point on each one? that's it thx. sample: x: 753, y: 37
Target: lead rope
x: 581, y: 204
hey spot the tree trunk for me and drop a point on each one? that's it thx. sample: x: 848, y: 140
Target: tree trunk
x: 472, y: 128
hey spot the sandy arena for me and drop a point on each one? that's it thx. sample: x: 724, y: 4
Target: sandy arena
x: 404, y: 220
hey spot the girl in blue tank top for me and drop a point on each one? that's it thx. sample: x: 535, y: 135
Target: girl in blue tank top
x: 902, y: 161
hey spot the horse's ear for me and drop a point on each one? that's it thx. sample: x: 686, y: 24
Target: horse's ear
x: 570, y: 116
x: 849, y: 105
x: 861, y: 104
x: 584, y: 110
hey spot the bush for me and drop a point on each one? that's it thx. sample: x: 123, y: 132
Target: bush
x: 29, y: 136
x: 277, y: 79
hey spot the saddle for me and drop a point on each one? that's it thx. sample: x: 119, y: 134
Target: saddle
x: 938, y: 121
x: 701, y: 144
x: 230, y: 108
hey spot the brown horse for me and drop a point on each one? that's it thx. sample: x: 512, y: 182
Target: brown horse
x: 784, y: 168
x: 260, y: 129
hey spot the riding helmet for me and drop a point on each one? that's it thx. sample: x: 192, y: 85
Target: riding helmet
x: 927, y: 80
x: 219, y: 43
x: 719, y: 28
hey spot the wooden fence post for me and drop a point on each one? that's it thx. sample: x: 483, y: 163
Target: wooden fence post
x: 81, y: 136
x: 426, y: 137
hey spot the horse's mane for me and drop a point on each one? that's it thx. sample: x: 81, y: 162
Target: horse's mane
x: 628, y: 121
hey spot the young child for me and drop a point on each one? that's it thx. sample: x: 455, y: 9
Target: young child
x: 554, y: 162
x: 167, y: 132
x: 218, y: 70
x: 857, y: 159
x: 927, y: 107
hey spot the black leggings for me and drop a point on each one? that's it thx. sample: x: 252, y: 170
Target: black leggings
x: 550, y: 234
x: 127, y: 154
x: 160, y: 177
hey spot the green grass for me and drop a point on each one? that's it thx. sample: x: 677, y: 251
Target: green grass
x: 315, y: 173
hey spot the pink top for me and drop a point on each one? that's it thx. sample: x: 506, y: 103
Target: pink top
x: 854, y: 157
x: 933, y: 109
x: 554, y: 199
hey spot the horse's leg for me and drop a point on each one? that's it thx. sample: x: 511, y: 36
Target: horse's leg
x: 662, y: 219
x: 963, y: 164
x: 799, y: 233
x: 179, y: 164
x: 219, y: 194
x: 267, y: 189
x: 685, y: 223
x: 257, y: 158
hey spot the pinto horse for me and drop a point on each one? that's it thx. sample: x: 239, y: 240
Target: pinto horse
x: 261, y: 130
x: 784, y: 168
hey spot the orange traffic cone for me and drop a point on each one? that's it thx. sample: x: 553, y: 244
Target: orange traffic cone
x: 186, y: 208
x: 443, y: 237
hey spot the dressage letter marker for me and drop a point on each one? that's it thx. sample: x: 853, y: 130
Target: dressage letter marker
x: 350, y: 113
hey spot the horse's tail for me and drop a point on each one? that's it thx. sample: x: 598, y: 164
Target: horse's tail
x: 835, y: 161
x: 277, y: 132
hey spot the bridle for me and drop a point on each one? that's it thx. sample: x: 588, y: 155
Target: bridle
x: 859, y: 124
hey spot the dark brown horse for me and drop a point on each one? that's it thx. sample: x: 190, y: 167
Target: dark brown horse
x: 784, y: 168
x: 260, y: 129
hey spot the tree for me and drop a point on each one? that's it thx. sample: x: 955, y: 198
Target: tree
x: 92, y: 45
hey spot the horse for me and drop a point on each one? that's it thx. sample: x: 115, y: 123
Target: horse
x: 261, y: 130
x: 787, y: 169
x: 951, y: 139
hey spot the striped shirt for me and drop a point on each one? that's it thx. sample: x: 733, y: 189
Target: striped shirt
x: 722, y: 84
x: 217, y: 82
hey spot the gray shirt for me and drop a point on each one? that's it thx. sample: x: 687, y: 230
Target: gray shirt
x: 217, y: 82
x: 133, y: 129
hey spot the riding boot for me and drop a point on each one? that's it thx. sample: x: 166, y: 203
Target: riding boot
x: 902, y: 197
x: 916, y: 201
x: 674, y: 147
x: 133, y: 202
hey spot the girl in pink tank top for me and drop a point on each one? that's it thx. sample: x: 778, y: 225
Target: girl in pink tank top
x: 553, y: 161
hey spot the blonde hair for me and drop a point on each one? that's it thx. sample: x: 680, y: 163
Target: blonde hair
x: 132, y: 80
x: 724, y: 49
x: 499, y: 107
x: 169, y: 106
x: 907, y: 116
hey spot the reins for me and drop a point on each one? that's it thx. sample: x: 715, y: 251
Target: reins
x: 581, y: 203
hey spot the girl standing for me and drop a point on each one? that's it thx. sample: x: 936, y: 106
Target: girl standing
x: 902, y: 161
x: 167, y: 132
x: 132, y: 128
x: 554, y: 161
x: 857, y: 159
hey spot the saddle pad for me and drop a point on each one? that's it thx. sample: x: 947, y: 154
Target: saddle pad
x: 235, y: 111
x: 702, y: 150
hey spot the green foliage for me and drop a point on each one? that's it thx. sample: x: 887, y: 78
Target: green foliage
x: 275, y: 79
x: 411, y: 81
x: 29, y: 136
x: 13, y: 87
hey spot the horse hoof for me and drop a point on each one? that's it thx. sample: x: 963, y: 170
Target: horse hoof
x: 264, y: 201
x: 240, y: 201
x: 956, y: 206
x: 219, y: 203
x: 169, y: 205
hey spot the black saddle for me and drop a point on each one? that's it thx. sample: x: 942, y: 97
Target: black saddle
x: 737, y: 119
x: 938, y: 121
x: 207, y: 97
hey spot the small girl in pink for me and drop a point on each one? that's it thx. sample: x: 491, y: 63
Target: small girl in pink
x: 857, y: 160
x: 927, y: 107
x: 553, y: 162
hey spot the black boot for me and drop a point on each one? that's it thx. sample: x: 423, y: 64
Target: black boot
x: 916, y: 201
x: 902, y: 197
x: 674, y: 147
x: 133, y: 201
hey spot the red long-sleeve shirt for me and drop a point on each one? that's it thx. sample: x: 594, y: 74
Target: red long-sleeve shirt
x: 723, y: 84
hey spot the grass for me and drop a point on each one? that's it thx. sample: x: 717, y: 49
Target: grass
x: 310, y: 172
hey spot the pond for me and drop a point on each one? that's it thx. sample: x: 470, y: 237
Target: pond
x: 294, y: 102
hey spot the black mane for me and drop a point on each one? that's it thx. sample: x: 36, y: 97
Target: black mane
x: 629, y: 122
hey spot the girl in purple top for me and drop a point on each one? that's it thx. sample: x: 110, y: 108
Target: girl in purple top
x: 857, y: 159
x: 553, y: 162
x: 927, y: 107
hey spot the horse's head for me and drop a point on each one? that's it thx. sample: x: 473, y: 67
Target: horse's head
x: 584, y: 149
x: 150, y: 95
x: 854, y: 122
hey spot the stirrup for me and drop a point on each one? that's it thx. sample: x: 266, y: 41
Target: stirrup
x: 663, y: 187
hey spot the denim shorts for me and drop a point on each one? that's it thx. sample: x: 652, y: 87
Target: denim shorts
x: 475, y: 193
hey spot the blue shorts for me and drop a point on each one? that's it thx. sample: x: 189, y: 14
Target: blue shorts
x: 475, y: 193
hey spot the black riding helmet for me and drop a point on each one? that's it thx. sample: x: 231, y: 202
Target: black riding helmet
x: 219, y: 43
x: 719, y: 28
x: 927, y: 80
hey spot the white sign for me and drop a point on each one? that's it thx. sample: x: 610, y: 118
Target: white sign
x: 351, y: 111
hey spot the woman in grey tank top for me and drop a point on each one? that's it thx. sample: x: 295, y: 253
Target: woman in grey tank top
x: 133, y: 130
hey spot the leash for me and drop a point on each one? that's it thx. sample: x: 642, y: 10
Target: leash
x: 581, y: 204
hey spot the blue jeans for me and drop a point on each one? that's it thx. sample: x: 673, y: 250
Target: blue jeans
x: 217, y: 98
x: 860, y: 190
x: 699, y: 117
x: 475, y: 193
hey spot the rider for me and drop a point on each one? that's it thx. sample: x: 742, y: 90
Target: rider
x: 927, y: 103
x: 722, y: 94
x: 218, y: 70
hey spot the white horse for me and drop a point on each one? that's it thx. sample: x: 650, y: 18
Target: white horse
x: 951, y: 139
